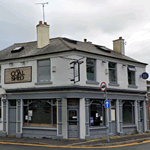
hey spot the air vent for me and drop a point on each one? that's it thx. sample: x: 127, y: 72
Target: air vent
x: 17, y: 49
x: 70, y: 41
x: 102, y: 48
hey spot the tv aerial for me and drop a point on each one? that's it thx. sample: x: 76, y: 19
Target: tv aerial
x: 43, y: 9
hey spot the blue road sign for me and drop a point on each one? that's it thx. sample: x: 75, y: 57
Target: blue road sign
x: 145, y: 75
x: 107, y: 104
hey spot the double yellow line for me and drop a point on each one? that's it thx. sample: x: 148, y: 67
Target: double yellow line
x: 123, y: 145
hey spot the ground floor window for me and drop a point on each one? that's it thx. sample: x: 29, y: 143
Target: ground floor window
x: 97, y: 113
x: 40, y: 113
x: 128, y: 112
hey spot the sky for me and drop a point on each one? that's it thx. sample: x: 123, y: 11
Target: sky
x: 99, y: 21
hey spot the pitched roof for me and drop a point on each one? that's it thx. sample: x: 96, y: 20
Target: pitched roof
x: 60, y: 45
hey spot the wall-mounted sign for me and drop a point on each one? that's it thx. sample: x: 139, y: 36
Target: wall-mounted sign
x: 91, y: 121
x: 144, y: 75
x: 18, y: 75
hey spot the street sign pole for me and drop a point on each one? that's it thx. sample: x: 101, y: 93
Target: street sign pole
x: 107, y: 118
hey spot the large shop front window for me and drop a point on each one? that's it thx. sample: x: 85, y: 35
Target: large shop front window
x: 97, y: 113
x: 40, y: 113
x: 128, y: 112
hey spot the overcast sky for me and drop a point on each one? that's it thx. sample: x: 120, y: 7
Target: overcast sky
x: 99, y: 21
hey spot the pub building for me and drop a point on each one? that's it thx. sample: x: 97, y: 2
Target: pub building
x: 51, y: 88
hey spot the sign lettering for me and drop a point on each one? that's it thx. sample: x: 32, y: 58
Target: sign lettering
x: 18, y: 75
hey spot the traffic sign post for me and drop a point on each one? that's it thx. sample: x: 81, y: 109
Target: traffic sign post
x: 103, y: 88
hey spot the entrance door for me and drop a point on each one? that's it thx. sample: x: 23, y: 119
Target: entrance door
x: 12, y: 118
x: 73, y: 123
x: 141, y: 116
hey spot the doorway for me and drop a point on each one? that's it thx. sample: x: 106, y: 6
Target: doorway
x: 73, y: 118
x: 11, y: 117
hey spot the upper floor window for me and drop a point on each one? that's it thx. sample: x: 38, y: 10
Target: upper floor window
x: 43, y: 69
x: 131, y: 75
x: 90, y: 68
x: 112, y: 72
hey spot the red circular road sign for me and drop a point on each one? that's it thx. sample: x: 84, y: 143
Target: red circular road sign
x: 103, y: 86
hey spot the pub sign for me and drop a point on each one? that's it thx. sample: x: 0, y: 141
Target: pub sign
x: 18, y: 75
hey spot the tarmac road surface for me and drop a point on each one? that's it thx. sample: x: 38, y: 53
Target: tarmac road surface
x: 23, y: 147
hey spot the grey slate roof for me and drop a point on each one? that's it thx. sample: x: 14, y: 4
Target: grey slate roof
x: 60, y: 45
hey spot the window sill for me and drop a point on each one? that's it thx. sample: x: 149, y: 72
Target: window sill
x: 133, y: 86
x: 41, y: 83
x: 113, y: 84
x: 129, y: 126
x: 92, y: 82
x: 95, y: 128
x: 39, y: 128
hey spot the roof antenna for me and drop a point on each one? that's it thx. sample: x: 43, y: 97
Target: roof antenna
x: 43, y: 9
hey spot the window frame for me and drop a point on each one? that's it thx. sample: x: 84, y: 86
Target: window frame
x: 131, y: 69
x: 101, y: 101
x: 115, y: 69
x: 30, y: 101
x: 92, y: 66
x: 44, y: 81
x: 133, y: 112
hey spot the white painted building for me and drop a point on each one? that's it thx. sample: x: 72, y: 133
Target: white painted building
x: 40, y: 99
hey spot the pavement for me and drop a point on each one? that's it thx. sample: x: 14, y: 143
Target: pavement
x: 115, y: 141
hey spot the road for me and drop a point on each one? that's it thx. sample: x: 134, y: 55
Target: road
x: 22, y: 147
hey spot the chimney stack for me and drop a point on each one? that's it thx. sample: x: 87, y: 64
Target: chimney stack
x: 118, y: 46
x: 42, y: 34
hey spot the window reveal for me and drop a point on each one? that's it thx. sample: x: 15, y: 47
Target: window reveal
x: 97, y: 113
x: 112, y: 72
x: 128, y: 112
x: 40, y: 113
x: 90, y: 68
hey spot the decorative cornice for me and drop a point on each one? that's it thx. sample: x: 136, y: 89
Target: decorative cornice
x: 73, y: 88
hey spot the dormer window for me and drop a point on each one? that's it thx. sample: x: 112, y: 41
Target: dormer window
x: 17, y: 49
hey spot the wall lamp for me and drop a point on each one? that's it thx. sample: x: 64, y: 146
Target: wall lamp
x: 103, y: 61
x: 23, y: 62
x: 123, y: 65
x: 10, y: 63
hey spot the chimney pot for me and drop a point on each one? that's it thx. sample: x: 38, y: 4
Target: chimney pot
x: 45, y: 23
x: 40, y: 22
x: 120, y: 38
x: 85, y: 40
